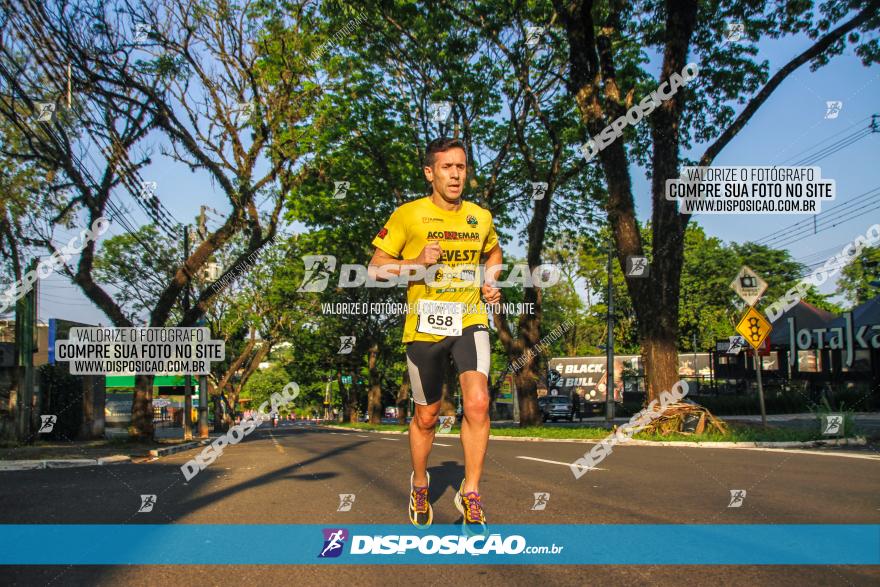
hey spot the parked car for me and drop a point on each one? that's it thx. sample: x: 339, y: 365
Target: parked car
x: 391, y: 412
x: 557, y: 407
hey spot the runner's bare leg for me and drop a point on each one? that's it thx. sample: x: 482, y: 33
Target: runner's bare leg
x: 421, y: 440
x: 474, y: 426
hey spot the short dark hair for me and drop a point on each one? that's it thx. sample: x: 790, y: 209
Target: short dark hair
x: 441, y: 145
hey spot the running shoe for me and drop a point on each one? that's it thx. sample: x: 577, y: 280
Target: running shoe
x: 473, y: 520
x: 420, y: 512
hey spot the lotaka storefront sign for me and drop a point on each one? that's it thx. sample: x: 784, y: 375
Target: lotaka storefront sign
x: 848, y: 338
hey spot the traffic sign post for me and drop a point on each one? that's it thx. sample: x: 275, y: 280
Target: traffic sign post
x: 748, y: 286
x: 755, y: 329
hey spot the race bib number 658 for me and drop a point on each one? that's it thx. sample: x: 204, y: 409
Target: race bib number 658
x: 440, y: 318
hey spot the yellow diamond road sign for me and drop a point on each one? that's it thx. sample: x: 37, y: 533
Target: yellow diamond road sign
x: 754, y: 327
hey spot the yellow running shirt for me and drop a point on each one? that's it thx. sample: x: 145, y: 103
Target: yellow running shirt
x: 463, y: 236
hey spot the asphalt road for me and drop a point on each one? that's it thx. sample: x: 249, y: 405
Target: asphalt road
x: 294, y: 475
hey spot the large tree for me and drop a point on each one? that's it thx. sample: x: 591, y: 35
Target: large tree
x: 506, y: 104
x: 609, y: 43
x: 202, y: 79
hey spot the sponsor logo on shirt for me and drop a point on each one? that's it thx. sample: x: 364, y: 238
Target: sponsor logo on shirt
x: 382, y: 233
x: 428, y: 219
x: 452, y: 235
x: 471, y: 220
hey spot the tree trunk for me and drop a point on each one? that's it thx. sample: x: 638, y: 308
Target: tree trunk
x: 526, y: 381
x: 219, y: 425
x: 660, y: 354
x: 142, y: 408
x: 349, y: 409
x: 374, y: 398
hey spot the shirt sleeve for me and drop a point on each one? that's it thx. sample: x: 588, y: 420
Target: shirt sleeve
x: 392, y: 237
x: 491, y: 238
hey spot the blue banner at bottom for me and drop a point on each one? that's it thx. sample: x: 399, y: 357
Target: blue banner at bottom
x: 625, y: 544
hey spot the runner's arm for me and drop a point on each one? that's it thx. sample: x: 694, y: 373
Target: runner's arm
x: 493, y: 260
x: 392, y: 266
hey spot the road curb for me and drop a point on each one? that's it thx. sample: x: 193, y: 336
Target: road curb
x: 30, y: 465
x: 856, y: 441
x: 162, y: 452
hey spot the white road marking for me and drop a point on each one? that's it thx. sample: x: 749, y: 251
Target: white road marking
x: 441, y: 444
x: 362, y: 435
x: 556, y: 463
x: 392, y: 439
x: 848, y: 455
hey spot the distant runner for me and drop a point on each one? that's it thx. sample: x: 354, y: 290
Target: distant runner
x: 449, y: 238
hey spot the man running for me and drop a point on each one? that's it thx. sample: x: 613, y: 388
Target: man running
x: 445, y: 239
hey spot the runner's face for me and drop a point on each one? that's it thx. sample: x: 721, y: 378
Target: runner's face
x: 448, y: 174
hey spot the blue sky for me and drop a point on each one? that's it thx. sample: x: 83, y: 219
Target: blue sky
x: 791, y: 121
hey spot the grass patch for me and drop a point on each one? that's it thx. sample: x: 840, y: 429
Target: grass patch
x: 735, y: 433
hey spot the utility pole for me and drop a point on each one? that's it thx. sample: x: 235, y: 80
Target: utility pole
x: 758, y: 365
x: 25, y: 321
x: 203, y: 406
x: 327, y: 399
x: 609, y: 380
x: 187, y: 387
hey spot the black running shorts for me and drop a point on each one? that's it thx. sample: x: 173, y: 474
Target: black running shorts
x: 427, y: 361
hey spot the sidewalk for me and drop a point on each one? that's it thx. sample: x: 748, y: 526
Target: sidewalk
x: 53, y: 454
x: 867, y: 420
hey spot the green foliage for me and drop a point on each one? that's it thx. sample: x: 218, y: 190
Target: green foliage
x: 855, y: 279
x: 264, y: 382
x: 140, y: 275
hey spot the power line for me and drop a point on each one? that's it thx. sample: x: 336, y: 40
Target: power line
x: 833, y: 148
x: 814, y: 223
x: 808, y: 149
x: 152, y: 206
